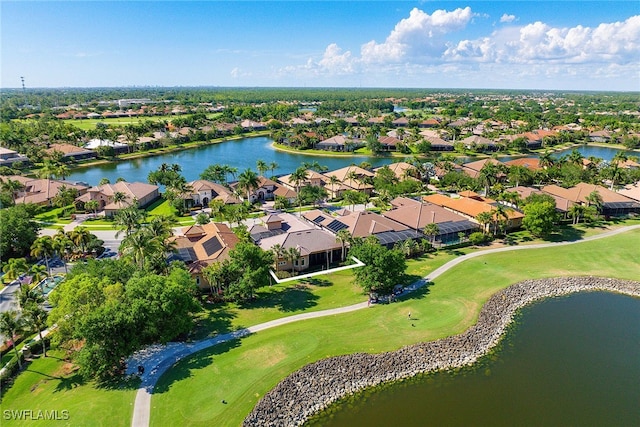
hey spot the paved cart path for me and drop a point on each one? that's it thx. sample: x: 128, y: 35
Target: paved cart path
x: 157, y: 359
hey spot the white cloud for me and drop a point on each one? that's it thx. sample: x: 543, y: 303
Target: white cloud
x: 507, y: 18
x: 617, y: 42
x: 419, y: 34
x: 336, y: 62
x: 426, y: 50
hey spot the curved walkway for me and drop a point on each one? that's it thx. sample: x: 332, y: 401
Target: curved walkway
x: 157, y: 359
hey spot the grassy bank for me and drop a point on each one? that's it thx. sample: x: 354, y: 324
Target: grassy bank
x: 241, y: 371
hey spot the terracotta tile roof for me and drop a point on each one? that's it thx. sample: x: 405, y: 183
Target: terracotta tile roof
x: 42, y: 191
x: 416, y: 214
x: 562, y: 204
x: 205, y: 244
x: 342, y: 174
x: 467, y: 206
x: 529, y: 163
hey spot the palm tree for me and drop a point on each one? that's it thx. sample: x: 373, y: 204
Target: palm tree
x: 546, y: 160
x: 128, y: 220
x: 278, y: 253
x: 80, y: 236
x: 14, y: 268
x: 10, y: 326
x: 484, y: 218
x: 62, y: 245
x: 92, y: 205
x: 36, y: 318
x: 27, y: 295
x: 43, y: 247
x: 575, y: 212
x: 500, y: 213
x: 343, y: 236
x: 12, y: 187
x: 273, y: 166
x: 431, y: 230
x: 576, y: 157
x: 247, y: 181
x: 119, y: 197
x: 292, y: 255
x: 334, y: 181
x: 488, y: 176
x: 140, y: 246
x: 262, y: 166
x: 595, y: 199
x: 38, y: 273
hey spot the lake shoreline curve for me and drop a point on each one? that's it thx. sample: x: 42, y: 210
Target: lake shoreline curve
x: 315, y: 386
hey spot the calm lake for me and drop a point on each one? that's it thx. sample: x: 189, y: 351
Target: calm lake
x: 567, y: 361
x: 242, y: 154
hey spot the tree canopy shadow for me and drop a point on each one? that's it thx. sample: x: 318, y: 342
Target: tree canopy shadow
x: 213, y: 320
x: 184, y: 368
x: 317, y: 281
x: 70, y: 382
x: 295, y: 298
x: 566, y: 234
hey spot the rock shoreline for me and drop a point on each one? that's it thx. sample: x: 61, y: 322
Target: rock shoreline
x: 317, y: 385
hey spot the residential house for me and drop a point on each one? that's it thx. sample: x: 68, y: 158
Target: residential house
x: 363, y: 224
x: 438, y: 144
x: 139, y: 194
x: 42, y: 191
x: 202, y: 245
x: 531, y: 163
x: 203, y: 192
x: 118, y: 147
x: 614, y: 204
x: 335, y: 143
x: 9, y: 157
x: 402, y: 170
x: 318, y: 248
x: 473, y: 168
x: 389, y: 143
x: 71, y: 152
x: 562, y: 205
x: 470, y: 207
x: 481, y: 143
x: 600, y: 136
x: 351, y: 178
x: 418, y: 214
x: 631, y: 191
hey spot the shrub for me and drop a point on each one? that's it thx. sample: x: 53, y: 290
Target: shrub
x: 478, y: 238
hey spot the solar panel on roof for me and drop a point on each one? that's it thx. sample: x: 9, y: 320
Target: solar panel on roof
x: 336, y: 226
x: 318, y: 219
x: 212, y: 246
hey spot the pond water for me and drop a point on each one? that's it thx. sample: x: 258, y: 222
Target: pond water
x: 567, y: 361
x: 241, y: 154
x: 244, y: 153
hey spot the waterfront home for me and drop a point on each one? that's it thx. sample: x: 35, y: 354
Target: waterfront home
x: 264, y: 191
x: 531, y: 163
x: 202, y: 245
x: 389, y: 143
x: 600, y: 136
x: 402, y: 170
x: 313, y: 178
x: 479, y: 143
x: 203, y: 192
x: 118, y: 147
x: 472, y: 205
x: 41, y: 191
x: 250, y: 125
x: 335, y: 143
x: 473, y: 168
x: 631, y: 191
x: 417, y: 214
x: 71, y: 152
x: 114, y: 197
x: 613, y: 204
x: 437, y: 143
x: 9, y: 157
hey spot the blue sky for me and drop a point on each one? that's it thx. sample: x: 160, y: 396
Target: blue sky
x: 565, y: 45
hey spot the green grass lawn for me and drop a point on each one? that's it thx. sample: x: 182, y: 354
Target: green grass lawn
x: 87, y: 124
x: 52, y: 384
x: 242, y: 371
